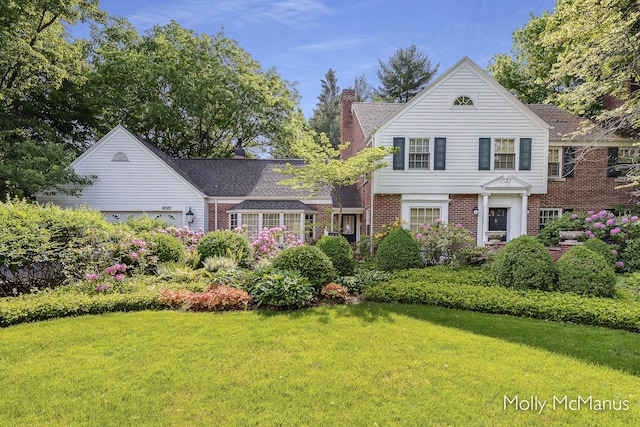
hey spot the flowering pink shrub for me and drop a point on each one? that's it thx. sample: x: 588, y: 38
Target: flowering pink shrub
x: 188, y: 238
x: 271, y: 240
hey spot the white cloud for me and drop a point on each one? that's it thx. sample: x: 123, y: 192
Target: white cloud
x: 339, y: 43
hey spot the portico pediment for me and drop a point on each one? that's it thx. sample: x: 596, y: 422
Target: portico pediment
x: 508, y: 183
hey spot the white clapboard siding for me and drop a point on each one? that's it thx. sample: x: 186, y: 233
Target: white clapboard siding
x: 144, y: 183
x: 496, y: 114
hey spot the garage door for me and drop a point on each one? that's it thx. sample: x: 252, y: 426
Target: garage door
x: 172, y: 218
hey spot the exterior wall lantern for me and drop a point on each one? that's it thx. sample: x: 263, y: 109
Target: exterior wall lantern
x: 475, y: 211
x: 189, y: 215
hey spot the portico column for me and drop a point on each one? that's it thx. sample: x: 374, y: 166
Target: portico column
x: 524, y: 213
x: 485, y: 216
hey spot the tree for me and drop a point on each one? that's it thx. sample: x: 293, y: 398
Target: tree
x: 405, y: 75
x: 326, y: 116
x: 526, y: 72
x: 364, y: 91
x: 598, y: 41
x: 189, y: 94
x: 324, y: 169
x: 43, y: 120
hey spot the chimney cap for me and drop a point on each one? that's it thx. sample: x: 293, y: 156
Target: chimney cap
x: 239, y: 153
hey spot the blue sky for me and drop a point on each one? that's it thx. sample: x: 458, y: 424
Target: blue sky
x: 302, y: 39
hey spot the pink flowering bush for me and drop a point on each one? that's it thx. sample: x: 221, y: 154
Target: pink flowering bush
x: 188, y: 238
x: 111, y: 280
x: 442, y: 243
x: 620, y: 232
x: 271, y: 240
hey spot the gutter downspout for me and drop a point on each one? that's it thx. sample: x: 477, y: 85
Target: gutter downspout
x: 215, y: 214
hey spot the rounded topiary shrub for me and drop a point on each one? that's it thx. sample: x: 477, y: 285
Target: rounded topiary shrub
x: 339, y: 251
x: 601, y: 248
x: 167, y: 248
x: 226, y: 243
x: 398, y: 251
x: 524, y: 263
x: 308, y: 260
x: 585, y: 272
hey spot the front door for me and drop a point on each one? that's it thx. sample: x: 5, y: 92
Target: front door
x: 498, y: 220
x: 349, y: 227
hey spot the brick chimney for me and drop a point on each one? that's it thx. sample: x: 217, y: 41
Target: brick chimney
x: 346, y: 118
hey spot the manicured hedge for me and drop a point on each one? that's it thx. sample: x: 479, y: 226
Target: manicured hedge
x: 525, y: 303
x: 49, y: 305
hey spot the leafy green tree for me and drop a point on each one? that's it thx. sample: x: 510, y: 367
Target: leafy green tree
x: 364, y: 91
x: 405, y: 74
x: 191, y: 95
x: 598, y: 42
x: 325, y: 169
x: 43, y: 116
x: 326, y: 115
x: 526, y: 72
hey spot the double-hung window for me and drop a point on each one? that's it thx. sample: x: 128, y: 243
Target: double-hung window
x: 422, y: 216
x: 505, y: 154
x: 418, y: 153
x: 547, y: 215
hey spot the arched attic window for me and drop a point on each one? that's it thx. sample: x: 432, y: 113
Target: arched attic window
x: 120, y: 157
x: 463, y: 100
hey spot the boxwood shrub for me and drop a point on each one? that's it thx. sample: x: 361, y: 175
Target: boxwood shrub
x: 557, y: 306
x: 585, y: 272
x: 166, y: 247
x: 524, y: 263
x: 398, y: 251
x: 600, y: 247
x: 226, y: 243
x: 310, y: 261
x: 339, y: 251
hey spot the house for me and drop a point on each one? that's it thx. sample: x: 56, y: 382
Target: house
x: 469, y: 152
x: 133, y: 177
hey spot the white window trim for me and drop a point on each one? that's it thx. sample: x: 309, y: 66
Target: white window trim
x: 407, y: 205
x: 516, y: 152
x: 406, y: 154
x: 281, y: 221
x: 558, y: 211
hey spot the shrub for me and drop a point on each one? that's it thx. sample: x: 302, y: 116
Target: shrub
x: 473, y: 255
x: 363, y: 279
x: 554, y: 306
x: 339, y: 251
x: 524, y: 263
x: 367, y: 247
x: 335, y: 293
x: 145, y: 223
x: 442, y: 243
x: 570, y: 221
x: 215, y: 298
x: 601, y: 248
x: 267, y: 245
x: 398, y: 251
x: 225, y: 243
x: 284, y: 289
x: 310, y: 261
x: 631, y: 255
x: 215, y: 263
x: 585, y: 272
x: 167, y: 248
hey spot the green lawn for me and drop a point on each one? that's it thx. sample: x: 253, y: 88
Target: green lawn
x: 368, y: 364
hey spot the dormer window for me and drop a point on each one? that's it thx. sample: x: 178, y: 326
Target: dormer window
x: 120, y: 157
x: 463, y: 101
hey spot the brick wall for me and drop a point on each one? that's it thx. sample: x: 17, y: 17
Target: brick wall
x: 346, y: 120
x: 461, y: 211
x: 589, y: 189
x: 223, y: 217
x: 386, y: 208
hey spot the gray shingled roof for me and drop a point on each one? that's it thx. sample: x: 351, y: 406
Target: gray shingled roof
x: 564, y: 123
x: 273, y: 205
x: 349, y: 196
x: 371, y: 114
x: 241, y: 177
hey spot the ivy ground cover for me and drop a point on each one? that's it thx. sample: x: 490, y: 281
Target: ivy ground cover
x: 366, y: 364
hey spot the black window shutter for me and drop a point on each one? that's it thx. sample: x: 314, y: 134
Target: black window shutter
x: 612, y: 162
x: 440, y: 154
x: 398, y: 156
x: 525, y: 154
x: 568, y: 162
x: 484, y: 154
